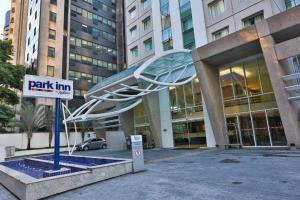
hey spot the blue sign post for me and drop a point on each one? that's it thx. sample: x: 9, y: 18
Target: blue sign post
x: 47, y: 87
x: 57, y: 134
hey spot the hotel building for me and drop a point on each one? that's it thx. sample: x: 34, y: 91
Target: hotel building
x: 245, y: 54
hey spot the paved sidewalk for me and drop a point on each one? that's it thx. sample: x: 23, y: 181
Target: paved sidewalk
x: 200, y: 174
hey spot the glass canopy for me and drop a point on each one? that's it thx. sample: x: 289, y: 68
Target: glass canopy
x: 172, y: 68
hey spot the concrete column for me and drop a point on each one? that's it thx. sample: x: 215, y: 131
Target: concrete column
x: 126, y: 119
x: 176, y: 25
x: 199, y: 23
x: 165, y: 119
x: 210, y: 138
x: 288, y: 114
x: 211, y: 91
x: 151, y: 105
x: 156, y: 23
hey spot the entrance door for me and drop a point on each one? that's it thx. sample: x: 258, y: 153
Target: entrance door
x: 181, y: 134
x: 233, y: 132
x: 189, y: 133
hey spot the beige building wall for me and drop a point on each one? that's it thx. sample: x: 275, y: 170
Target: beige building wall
x: 40, y: 59
x: 17, y: 29
x: 237, y: 10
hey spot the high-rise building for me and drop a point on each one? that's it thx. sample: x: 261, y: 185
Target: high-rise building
x: 74, y: 40
x: 249, y: 107
x: 6, y: 26
x: 17, y: 29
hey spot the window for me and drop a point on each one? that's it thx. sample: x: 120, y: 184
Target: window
x: 146, y: 23
x: 51, y: 52
x: 220, y: 33
x: 52, y: 34
x: 133, y: 32
x: 291, y: 3
x: 35, y: 15
x: 132, y: 12
x: 50, y: 70
x: 166, y: 25
x: 53, y: 2
x: 148, y: 45
x: 34, y: 31
x: 29, y: 26
x: 134, y: 52
x: 145, y: 3
x: 28, y: 42
x: 187, y: 24
x: 52, y: 16
x: 253, y: 19
x: 216, y: 8
x: 33, y: 48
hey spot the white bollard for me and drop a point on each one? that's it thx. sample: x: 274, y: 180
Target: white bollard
x: 2, y: 154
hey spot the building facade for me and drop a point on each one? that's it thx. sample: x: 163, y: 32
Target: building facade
x: 251, y: 113
x: 73, y: 40
x: 6, y: 26
x: 17, y: 29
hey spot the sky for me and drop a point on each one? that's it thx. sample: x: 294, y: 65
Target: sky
x: 5, y: 6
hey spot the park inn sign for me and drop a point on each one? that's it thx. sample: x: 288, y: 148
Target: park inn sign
x: 47, y: 87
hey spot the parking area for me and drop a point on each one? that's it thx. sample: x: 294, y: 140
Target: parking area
x: 199, y: 174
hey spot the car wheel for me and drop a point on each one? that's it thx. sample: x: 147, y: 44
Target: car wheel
x: 86, y: 148
x: 104, y: 146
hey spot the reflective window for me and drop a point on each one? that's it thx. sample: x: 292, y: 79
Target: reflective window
x: 51, y: 52
x: 147, y: 23
x: 220, y: 33
x: 146, y: 4
x: 52, y: 34
x: 248, y: 99
x: 253, y: 19
x: 148, y: 45
x: 216, y: 8
x: 187, y: 24
x: 132, y: 12
x: 133, y: 32
x: 134, y: 52
x: 52, y: 16
x: 166, y: 25
x: 291, y: 3
x: 50, y: 70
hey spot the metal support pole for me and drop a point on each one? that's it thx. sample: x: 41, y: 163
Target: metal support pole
x: 57, y: 134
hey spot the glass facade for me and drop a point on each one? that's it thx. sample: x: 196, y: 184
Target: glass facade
x: 250, y: 108
x: 166, y: 25
x: 291, y: 3
x: 142, y: 127
x: 92, y: 41
x: 187, y: 115
x: 187, y: 24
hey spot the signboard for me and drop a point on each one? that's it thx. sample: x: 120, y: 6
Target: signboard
x: 47, y: 87
x: 137, y: 153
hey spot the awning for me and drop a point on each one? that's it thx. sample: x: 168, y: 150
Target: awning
x: 125, y: 90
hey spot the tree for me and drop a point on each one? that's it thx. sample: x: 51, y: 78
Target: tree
x: 10, y: 80
x: 49, y: 122
x: 32, y: 118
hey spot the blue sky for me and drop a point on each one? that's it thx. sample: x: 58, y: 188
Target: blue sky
x: 5, y: 6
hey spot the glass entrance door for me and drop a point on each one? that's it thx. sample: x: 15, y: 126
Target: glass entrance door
x: 189, y: 134
x: 181, y: 134
x: 233, y: 132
